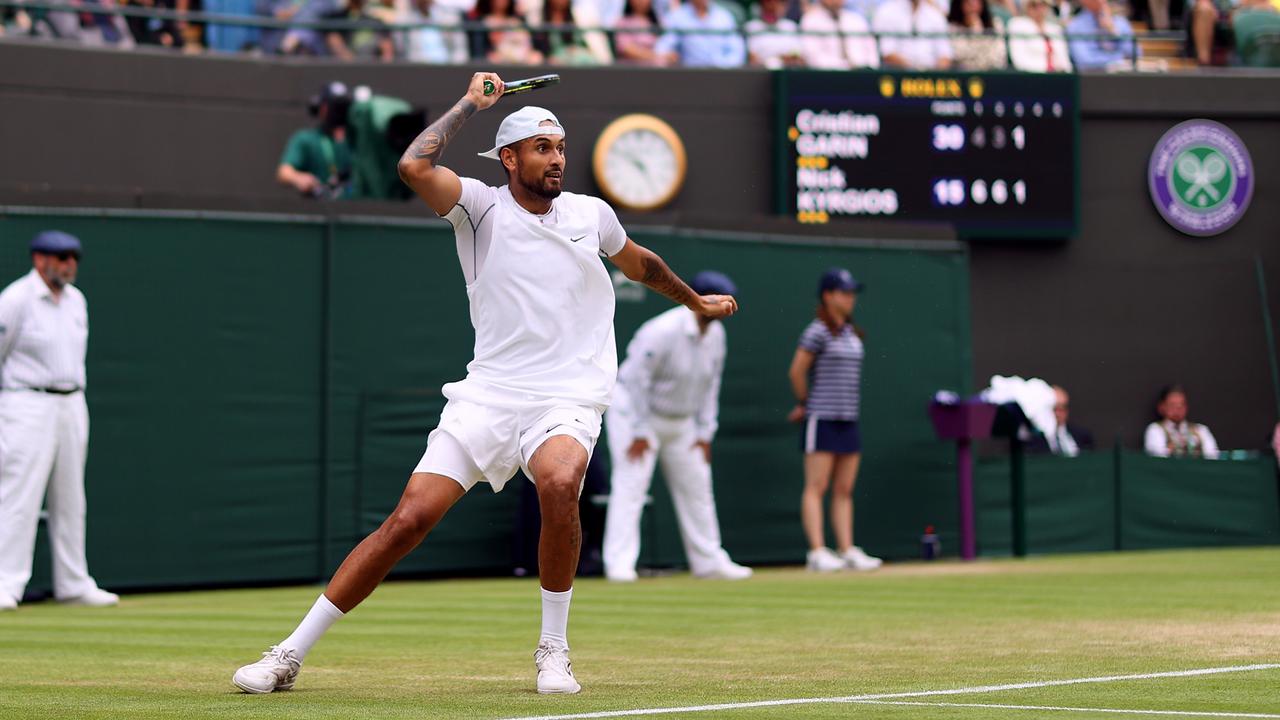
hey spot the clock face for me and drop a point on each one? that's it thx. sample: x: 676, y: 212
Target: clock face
x: 639, y: 162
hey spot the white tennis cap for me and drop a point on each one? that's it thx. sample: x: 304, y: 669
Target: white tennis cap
x: 522, y: 125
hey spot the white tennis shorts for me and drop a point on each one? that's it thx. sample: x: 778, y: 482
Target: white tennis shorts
x: 476, y: 441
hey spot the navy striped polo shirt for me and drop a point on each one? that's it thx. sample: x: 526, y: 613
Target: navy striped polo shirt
x: 835, y: 377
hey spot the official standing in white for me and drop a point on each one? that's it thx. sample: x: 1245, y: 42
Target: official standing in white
x: 665, y: 407
x: 545, y: 364
x: 44, y: 423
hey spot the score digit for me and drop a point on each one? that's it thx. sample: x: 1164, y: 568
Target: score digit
x: 948, y: 192
x: 978, y: 191
x: 948, y: 137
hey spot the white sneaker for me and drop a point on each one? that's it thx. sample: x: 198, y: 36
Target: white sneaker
x: 824, y: 560
x: 96, y: 597
x: 856, y: 559
x: 7, y: 603
x: 624, y: 576
x: 277, y: 670
x: 727, y: 570
x: 555, y: 672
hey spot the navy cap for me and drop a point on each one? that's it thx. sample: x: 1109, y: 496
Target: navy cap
x: 53, y: 242
x: 838, y: 279
x: 710, y: 282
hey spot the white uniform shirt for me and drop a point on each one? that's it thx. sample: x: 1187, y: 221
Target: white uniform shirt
x: 1156, y: 439
x: 541, y: 299
x: 673, y: 370
x: 42, y: 342
x: 897, y: 16
x: 854, y: 49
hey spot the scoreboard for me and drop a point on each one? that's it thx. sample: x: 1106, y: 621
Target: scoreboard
x: 992, y: 154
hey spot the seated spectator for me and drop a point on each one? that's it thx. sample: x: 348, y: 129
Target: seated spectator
x: 294, y: 41
x: 82, y: 27
x: 1065, y: 438
x: 154, y: 31
x: 577, y: 46
x: 1210, y: 25
x: 1172, y: 435
x: 680, y: 46
x: 852, y: 47
x: 772, y: 41
x: 434, y: 45
x: 902, y: 18
x: 636, y: 45
x: 506, y: 39
x: 1091, y: 52
x: 976, y: 38
x: 370, y: 40
x: 1036, y: 43
x: 231, y: 38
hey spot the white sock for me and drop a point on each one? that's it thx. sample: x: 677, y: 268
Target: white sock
x: 555, y: 617
x: 319, y: 619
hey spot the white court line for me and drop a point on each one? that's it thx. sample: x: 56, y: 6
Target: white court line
x: 889, y: 696
x: 1180, y: 713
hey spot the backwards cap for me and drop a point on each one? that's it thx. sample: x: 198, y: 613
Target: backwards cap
x: 522, y: 125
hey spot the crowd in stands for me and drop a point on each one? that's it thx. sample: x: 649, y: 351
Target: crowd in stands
x: 1027, y: 35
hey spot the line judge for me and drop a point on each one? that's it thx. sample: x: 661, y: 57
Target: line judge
x: 666, y: 408
x: 44, y: 423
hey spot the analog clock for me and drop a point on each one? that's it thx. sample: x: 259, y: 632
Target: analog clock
x: 639, y: 162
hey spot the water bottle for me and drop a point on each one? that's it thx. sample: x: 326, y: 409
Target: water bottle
x: 930, y: 545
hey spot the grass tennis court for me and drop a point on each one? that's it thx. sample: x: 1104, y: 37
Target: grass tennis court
x: 463, y: 648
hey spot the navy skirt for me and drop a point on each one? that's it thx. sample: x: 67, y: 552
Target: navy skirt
x: 834, y: 436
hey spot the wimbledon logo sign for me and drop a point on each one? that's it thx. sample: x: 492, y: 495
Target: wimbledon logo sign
x: 1201, y: 177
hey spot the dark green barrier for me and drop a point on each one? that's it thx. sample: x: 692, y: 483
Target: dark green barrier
x: 1163, y: 503
x: 1070, y: 504
x: 260, y: 389
x: 204, y: 394
x: 1186, y: 503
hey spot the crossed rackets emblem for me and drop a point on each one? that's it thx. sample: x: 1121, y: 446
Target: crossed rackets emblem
x: 1202, y: 175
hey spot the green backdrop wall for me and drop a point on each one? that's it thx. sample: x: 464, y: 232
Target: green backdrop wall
x: 1125, y: 500
x: 261, y: 386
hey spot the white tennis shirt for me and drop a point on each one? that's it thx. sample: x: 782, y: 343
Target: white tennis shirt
x: 541, y: 299
x: 42, y: 342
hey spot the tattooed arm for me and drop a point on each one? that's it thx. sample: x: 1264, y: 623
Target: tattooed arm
x: 642, y: 265
x: 419, y: 165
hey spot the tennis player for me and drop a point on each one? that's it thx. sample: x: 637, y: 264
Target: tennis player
x: 545, y: 363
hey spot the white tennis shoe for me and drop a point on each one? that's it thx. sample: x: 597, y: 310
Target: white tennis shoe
x: 7, y: 603
x: 96, y: 597
x: 277, y: 670
x: 856, y: 559
x: 728, y: 570
x: 555, y: 672
x: 823, y: 560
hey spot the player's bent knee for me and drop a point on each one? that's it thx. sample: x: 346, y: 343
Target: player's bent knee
x: 408, y: 525
x: 559, y: 486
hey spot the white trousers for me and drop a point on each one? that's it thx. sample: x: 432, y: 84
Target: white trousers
x: 688, y: 477
x: 43, y: 442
